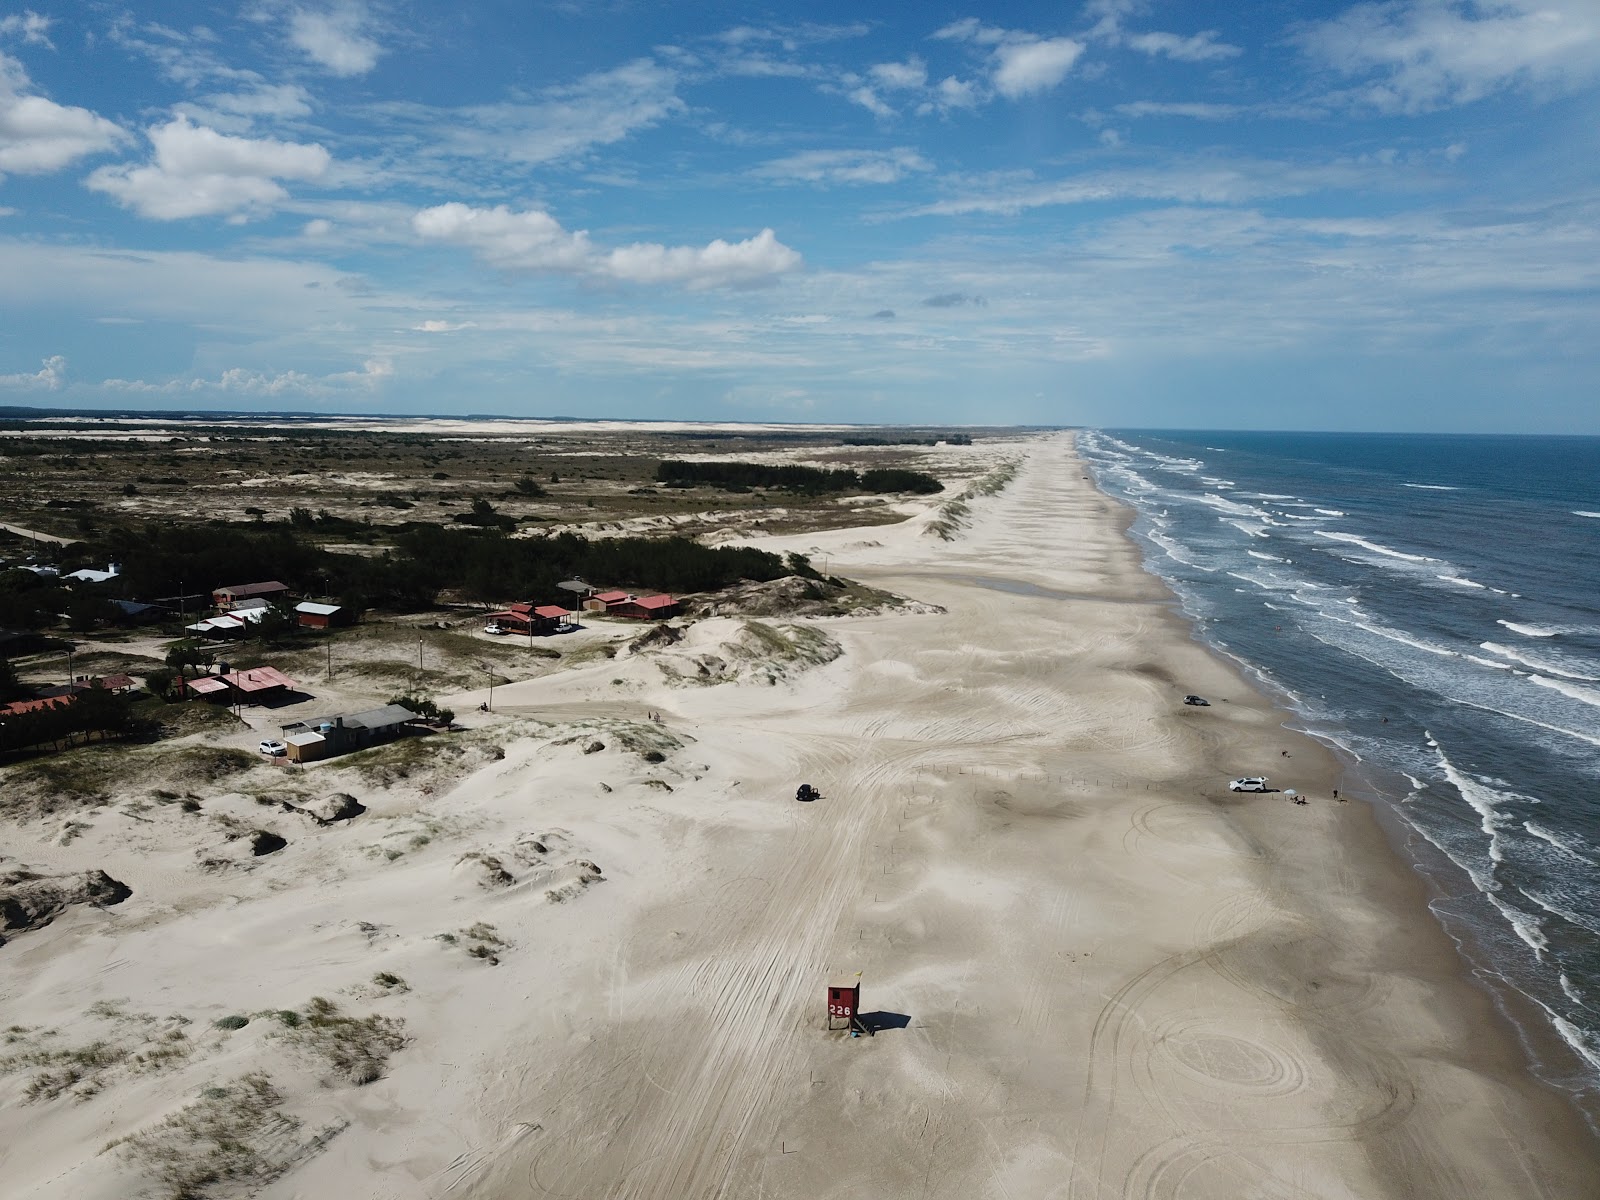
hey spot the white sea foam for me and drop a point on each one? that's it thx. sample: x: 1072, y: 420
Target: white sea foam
x: 1482, y: 799
x: 1561, y: 844
x: 1175, y: 551
x: 1581, y: 512
x: 1255, y: 531
x: 1564, y: 669
x: 1582, y: 1044
x: 1265, y: 557
x: 1565, y: 912
x: 1336, y: 536
x: 1459, y: 581
x: 1535, y: 631
x: 1431, y: 487
x: 1233, y: 506
x: 1581, y: 694
x: 1330, y: 512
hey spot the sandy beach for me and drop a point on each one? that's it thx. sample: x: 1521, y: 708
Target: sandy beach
x: 1093, y: 970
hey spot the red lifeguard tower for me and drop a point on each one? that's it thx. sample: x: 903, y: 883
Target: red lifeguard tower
x: 844, y: 1002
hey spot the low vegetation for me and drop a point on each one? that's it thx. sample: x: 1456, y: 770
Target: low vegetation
x: 231, y: 1140
x: 356, y: 1048
x: 735, y: 476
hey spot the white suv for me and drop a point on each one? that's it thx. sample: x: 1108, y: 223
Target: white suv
x: 274, y: 749
x: 1250, y: 783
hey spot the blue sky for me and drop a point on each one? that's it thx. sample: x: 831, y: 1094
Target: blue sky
x: 1263, y: 214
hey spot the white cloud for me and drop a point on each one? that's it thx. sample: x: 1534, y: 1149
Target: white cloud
x: 237, y: 112
x: 869, y: 100
x: 436, y: 326
x: 1021, y: 63
x: 30, y: 26
x: 845, y: 166
x: 1197, y: 110
x: 956, y: 93
x: 1024, y: 68
x: 1219, y: 182
x: 755, y: 261
x: 374, y: 372
x: 48, y: 377
x: 563, y: 123
x: 535, y: 241
x: 528, y: 241
x: 1201, y: 47
x: 336, y: 38
x: 38, y: 135
x: 913, y: 73
x: 199, y: 172
x: 1430, y: 54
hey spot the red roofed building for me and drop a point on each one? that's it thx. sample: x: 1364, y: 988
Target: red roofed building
x: 602, y: 601
x: 227, y: 598
x: 18, y: 707
x: 644, y: 608
x: 255, y: 686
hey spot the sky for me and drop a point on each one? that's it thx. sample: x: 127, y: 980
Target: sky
x: 1270, y: 214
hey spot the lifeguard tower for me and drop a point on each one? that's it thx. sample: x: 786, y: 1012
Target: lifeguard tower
x: 844, y: 1003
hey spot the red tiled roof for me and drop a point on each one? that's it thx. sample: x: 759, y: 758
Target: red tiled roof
x: 114, y: 683
x: 609, y: 597
x: 206, y: 685
x: 550, y: 610
x: 655, y: 601
x: 17, y: 707
x: 257, y: 679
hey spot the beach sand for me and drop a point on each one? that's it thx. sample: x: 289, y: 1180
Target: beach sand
x: 1094, y: 971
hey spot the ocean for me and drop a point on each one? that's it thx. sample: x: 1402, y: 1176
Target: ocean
x: 1431, y: 604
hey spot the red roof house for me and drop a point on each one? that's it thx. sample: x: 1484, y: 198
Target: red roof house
x: 645, y: 608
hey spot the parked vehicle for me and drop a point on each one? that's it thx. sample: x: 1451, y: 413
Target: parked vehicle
x: 274, y: 749
x: 491, y: 627
x: 1198, y: 700
x: 806, y: 793
x: 1250, y: 783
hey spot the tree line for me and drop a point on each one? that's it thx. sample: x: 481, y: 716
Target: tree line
x: 741, y: 476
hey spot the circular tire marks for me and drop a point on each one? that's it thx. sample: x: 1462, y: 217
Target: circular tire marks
x: 1225, y: 1064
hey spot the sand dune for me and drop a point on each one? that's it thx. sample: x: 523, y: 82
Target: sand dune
x: 1097, y: 972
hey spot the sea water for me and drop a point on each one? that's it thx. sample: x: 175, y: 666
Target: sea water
x: 1431, y: 604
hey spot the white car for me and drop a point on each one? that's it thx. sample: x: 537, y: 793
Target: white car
x: 493, y: 628
x: 1250, y: 783
x: 274, y: 749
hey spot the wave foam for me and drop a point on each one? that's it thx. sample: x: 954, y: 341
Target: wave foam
x: 1538, y: 664
x: 1580, y: 512
x: 1431, y: 487
x: 1334, y: 535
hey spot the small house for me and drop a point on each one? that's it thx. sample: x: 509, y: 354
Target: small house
x: 602, y: 601
x: 323, y: 737
x: 228, y: 598
x: 645, y: 608
x: 91, y: 575
x: 528, y: 618
x: 322, y: 616
x: 132, y: 612
x: 258, y: 685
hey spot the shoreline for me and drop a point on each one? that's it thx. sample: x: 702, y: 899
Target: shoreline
x: 1547, y: 1058
x: 1091, y: 970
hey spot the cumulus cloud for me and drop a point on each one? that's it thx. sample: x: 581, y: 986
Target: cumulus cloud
x: 533, y: 240
x: 198, y: 172
x: 336, y: 38
x: 526, y: 241
x: 38, y: 135
x: 755, y: 261
x: 49, y: 377
x: 1430, y: 54
x: 846, y: 166
x: 913, y: 73
x: 1201, y: 47
x: 1021, y: 64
